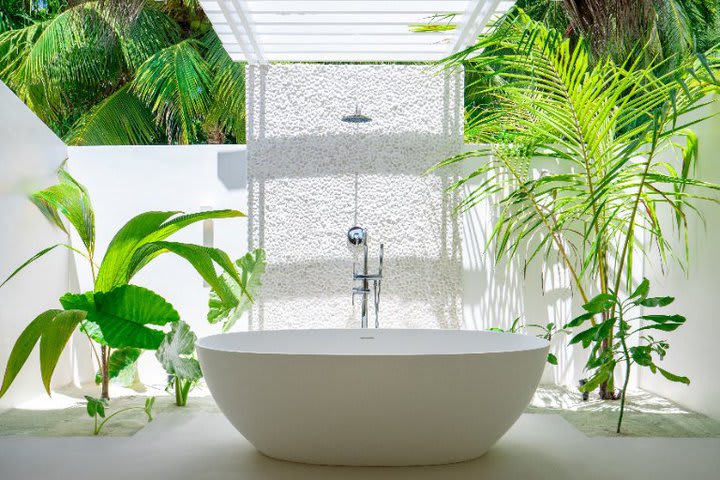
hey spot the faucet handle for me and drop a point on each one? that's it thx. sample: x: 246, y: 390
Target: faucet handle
x: 358, y: 291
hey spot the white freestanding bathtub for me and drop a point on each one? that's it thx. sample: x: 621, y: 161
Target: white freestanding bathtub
x: 372, y: 397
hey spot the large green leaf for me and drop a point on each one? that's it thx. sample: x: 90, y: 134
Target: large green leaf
x: 123, y: 313
x: 674, y: 378
x: 122, y: 366
x: 176, y: 352
x: 250, y: 268
x: 71, y: 200
x: 600, y: 303
x: 141, y: 230
x: 53, y: 341
x: 24, y: 345
x: 200, y: 257
x: 114, y: 267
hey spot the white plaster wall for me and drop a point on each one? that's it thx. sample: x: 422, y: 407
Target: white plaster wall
x: 496, y: 293
x: 29, y: 155
x: 128, y: 180
x: 312, y: 177
x: 694, y: 346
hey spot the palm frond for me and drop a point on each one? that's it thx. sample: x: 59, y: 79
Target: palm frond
x: 602, y: 124
x: 228, y: 105
x: 176, y: 84
x: 151, y: 32
x: 120, y: 119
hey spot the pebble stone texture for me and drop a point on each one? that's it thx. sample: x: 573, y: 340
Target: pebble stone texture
x: 312, y: 177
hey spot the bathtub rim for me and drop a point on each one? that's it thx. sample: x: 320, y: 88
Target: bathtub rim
x: 539, y: 343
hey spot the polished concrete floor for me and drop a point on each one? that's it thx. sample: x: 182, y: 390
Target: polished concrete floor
x: 205, y: 446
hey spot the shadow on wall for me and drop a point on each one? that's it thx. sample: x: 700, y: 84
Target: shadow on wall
x: 312, y: 177
x: 495, y: 293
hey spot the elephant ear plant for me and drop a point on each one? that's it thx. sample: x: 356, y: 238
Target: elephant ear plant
x: 119, y: 319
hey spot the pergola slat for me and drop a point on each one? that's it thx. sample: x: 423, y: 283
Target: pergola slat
x: 258, y: 31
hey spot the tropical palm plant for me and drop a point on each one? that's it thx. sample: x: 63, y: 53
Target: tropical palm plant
x: 135, y: 72
x: 20, y: 13
x: 605, y: 125
x: 667, y: 28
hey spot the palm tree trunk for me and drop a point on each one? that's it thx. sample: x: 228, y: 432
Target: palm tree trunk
x: 215, y: 135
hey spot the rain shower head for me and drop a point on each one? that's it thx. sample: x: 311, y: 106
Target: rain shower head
x: 356, y: 117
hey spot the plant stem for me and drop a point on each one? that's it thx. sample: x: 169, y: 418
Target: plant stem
x: 625, y: 384
x: 636, y: 203
x: 178, y: 393
x: 99, y: 427
x: 105, y: 356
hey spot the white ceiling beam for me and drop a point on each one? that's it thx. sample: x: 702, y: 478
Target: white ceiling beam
x: 221, y: 26
x: 240, y: 37
x: 358, y: 6
x: 473, y: 22
x: 248, y: 26
x: 368, y: 6
x: 340, y: 39
x: 346, y: 18
x: 259, y: 31
x: 416, y: 57
x: 344, y: 48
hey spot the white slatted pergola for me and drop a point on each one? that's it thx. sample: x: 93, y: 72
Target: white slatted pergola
x: 261, y: 31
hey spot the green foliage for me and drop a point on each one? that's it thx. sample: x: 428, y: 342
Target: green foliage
x: 122, y: 366
x: 176, y: 352
x: 176, y: 84
x: 200, y: 257
x: 53, y: 329
x: 20, y: 13
x: 177, y: 356
x: 571, y: 155
x: 117, y: 315
x: 123, y: 315
x: 622, y: 323
x: 237, y: 297
x: 96, y: 410
x: 547, y: 331
x: 436, y: 24
x: 229, y: 85
x: 141, y: 240
x: 125, y: 73
x: 70, y: 200
x: 119, y: 119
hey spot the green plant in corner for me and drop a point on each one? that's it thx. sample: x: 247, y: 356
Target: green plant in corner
x: 623, y: 321
x: 575, y: 155
x: 96, y: 409
x: 176, y: 354
x: 250, y: 269
x: 547, y: 332
x: 118, y: 318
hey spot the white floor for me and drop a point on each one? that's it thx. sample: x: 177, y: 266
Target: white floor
x: 205, y: 446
